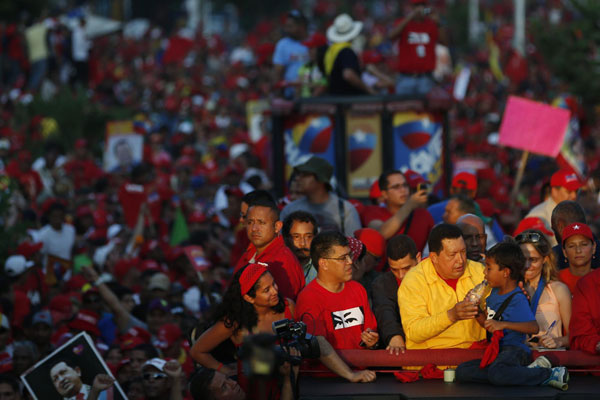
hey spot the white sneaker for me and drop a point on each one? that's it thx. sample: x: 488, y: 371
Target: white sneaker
x: 559, y: 378
x: 540, y: 362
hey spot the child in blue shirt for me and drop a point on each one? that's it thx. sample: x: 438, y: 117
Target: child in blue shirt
x: 504, y: 268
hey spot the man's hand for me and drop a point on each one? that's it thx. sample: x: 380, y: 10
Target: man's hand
x: 173, y: 369
x: 418, y: 199
x: 362, y: 376
x: 491, y: 325
x: 369, y: 337
x: 463, y: 310
x: 396, y: 345
x: 102, y: 382
x: 548, y: 341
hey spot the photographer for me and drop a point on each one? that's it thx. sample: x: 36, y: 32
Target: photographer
x: 251, y: 304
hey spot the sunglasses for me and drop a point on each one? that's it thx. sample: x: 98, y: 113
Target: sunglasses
x: 154, y: 376
x: 528, y: 237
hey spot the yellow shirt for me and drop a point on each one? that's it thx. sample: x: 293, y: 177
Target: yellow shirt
x: 424, y: 299
x: 36, y: 42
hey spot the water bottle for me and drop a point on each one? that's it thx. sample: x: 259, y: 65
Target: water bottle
x: 477, y: 292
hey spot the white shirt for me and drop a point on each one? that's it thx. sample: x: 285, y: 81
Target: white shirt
x: 58, y: 243
x: 80, y: 44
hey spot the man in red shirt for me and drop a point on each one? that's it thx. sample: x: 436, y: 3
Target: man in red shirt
x: 267, y: 246
x: 585, y: 321
x: 333, y: 305
x: 403, y: 212
x: 417, y: 36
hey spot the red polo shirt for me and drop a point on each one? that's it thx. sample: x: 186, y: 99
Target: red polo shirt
x: 416, y: 47
x: 283, y: 265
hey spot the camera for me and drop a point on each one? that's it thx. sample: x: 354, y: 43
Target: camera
x: 422, y: 186
x: 262, y: 354
x: 293, y: 334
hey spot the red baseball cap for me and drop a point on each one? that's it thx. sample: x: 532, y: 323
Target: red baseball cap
x: 27, y: 249
x: 577, y: 228
x: 316, y: 40
x: 566, y: 179
x: 372, y: 239
x: 413, y: 178
x: 167, y: 335
x: 86, y: 320
x: 532, y: 223
x: 375, y: 191
x: 465, y: 180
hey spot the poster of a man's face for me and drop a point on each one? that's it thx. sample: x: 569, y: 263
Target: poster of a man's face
x: 71, y: 372
x: 123, y: 151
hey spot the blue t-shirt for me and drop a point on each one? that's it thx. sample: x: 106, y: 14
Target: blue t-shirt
x: 292, y: 55
x: 518, y: 310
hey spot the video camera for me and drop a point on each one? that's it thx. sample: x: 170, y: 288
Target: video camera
x: 263, y: 354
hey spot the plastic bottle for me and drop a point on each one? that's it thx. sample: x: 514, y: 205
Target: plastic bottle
x: 477, y: 292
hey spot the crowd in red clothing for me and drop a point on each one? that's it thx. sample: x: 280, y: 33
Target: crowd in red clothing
x: 94, y: 250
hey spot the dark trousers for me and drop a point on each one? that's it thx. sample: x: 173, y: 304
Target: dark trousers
x: 508, y: 369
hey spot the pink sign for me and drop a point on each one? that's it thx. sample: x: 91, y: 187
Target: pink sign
x: 532, y: 126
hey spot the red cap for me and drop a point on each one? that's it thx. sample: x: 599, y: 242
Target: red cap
x: 80, y: 144
x: 27, y: 249
x: 167, y: 335
x: 316, y: 40
x: 130, y: 342
x: 372, y: 239
x: 375, y: 192
x: 75, y: 283
x: 413, y: 178
x: 577, y: 228
x: 86, y: 320
x: 487, y: 207
x: 61, y: 303
x: 250, y: 275
x: 356, y: 247
x: 122, y: 267
x: 465, y: 180
x: 566, y: 179
x: 532, y: 223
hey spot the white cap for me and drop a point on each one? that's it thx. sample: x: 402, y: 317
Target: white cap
x: 157, y: 363
x: 16, y: 265
x: 4, y: 322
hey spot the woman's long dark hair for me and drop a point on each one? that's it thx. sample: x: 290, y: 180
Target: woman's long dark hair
x: 236, y: 312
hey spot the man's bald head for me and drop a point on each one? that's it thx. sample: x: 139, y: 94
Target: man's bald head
x: 565, y: 213
x: 473, y: 230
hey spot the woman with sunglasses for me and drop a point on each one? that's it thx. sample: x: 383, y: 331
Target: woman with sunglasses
x: 579, y: 247
x: 550, y: 299
x: 250, y: 305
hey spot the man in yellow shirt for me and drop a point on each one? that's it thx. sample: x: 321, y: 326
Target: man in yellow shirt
x: 433, y: 309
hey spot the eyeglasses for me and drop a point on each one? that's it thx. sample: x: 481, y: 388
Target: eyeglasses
x: 154, y: 376
x: 528, y: 237
x: 479, y: 236
x: 345, y: 257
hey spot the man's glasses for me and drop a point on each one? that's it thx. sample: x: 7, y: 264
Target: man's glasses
x: 528, y: 237
x: 154, y: 376
x: 480, y: 236
x: 345, y: 257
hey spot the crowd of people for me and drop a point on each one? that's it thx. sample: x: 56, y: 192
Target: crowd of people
x: 184, y: 256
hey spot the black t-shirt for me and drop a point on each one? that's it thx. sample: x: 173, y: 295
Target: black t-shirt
x: 346, y: 58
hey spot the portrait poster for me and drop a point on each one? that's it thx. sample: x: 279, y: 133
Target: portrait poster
x: 363, y: 141
x: 418, y: 145
x: 123, y: 146
x: 306, y: 136
x: 70, y: 370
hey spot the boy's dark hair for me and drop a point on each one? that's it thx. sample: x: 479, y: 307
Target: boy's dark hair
x: 383, y: 178
x: 298, y: 216
x: 508, y: 255
x: 200, y: 383
x: 441, y: 232
x: 256, y: 195
x: 322, y: 244
x: 400, y: 246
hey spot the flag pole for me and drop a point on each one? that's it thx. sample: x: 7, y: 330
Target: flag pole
x: 519, y: 178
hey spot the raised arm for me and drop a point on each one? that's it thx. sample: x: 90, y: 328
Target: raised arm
x: 391, y: 226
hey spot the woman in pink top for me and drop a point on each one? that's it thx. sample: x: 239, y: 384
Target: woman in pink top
x: 550, y: 299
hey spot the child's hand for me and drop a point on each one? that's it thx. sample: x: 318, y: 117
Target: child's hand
x: 491, y: 325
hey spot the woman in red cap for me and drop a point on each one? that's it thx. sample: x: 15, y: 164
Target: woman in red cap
x: 250, y: 305
x: 550, y: 298
x: 579, y: 246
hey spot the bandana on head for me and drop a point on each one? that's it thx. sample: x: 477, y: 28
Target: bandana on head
x: 355, y: 246
x: 250, y: 275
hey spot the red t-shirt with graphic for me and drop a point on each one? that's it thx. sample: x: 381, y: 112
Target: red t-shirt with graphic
x: 339, y: 317
x: 416, y: 47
